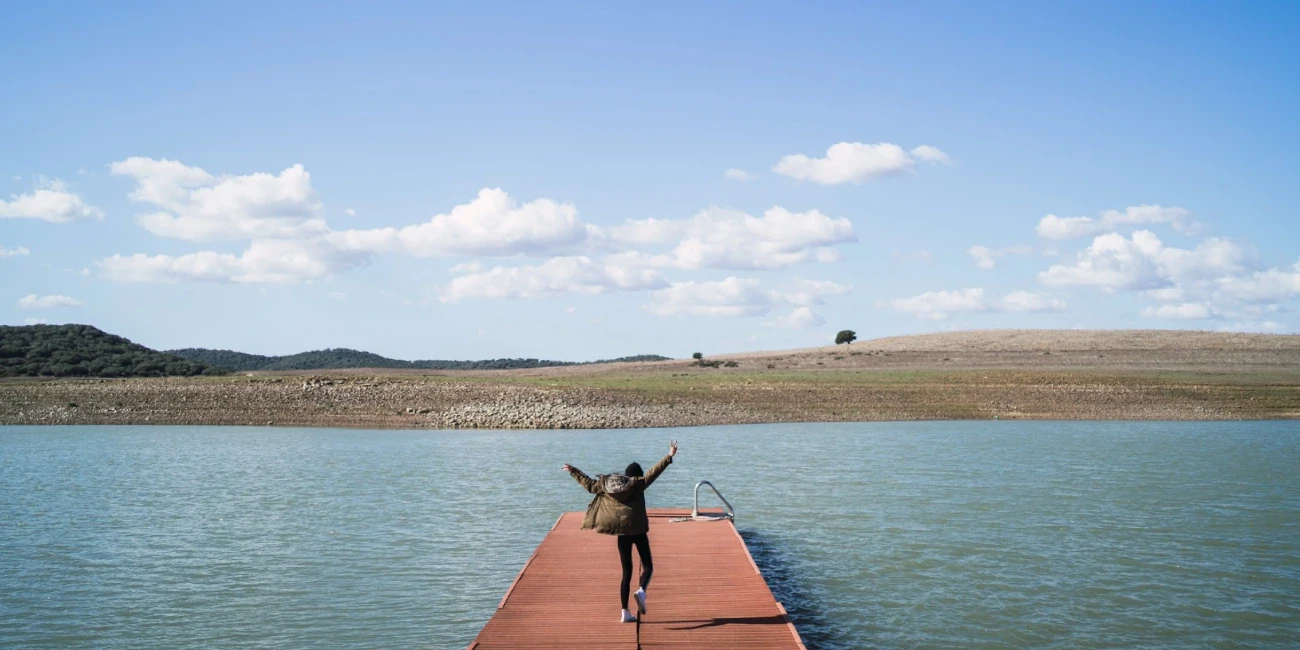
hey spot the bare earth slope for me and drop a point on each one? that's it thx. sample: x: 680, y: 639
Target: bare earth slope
x: 1044, y: 374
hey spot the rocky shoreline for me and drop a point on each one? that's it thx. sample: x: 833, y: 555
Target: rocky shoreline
x: 664, y: 400
x: 379, y: 402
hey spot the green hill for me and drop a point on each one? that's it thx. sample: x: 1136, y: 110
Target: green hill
x: 337, y: 358
x: 85, y: 351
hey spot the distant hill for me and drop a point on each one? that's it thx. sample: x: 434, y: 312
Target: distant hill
x: 339, y: 358
x: 85, y: 351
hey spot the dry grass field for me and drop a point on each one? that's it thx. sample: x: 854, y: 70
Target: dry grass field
x: 1006, y: 374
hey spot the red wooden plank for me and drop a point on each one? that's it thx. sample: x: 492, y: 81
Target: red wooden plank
x: 706, y: 592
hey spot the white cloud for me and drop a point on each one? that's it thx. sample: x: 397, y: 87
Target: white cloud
x: 1261, y: 286
x: 197, y: 206
x: 856, y: 162
x: 727, y: 298
x: 50, y: 201
x: 1142, y: 262
x: 801, y: 318
x: 281, y: 215
x: 268, y: 260
x: 33, y: 301
x: 556, y: 276
x: 986, y: 258
x: 739, y: 175
x: 930, y: 154
x: 1182, y: 311
x: 35, y: 321
x: 21, y: 251
x: 492, y: 224
x: 289, y: 241
x: 718, y: 238
x: 338, y: 295
x: 737, y: 297
x: 938, y: 305
x: 350, y: 212
x: 809, y: 292
x: 1054, y: 227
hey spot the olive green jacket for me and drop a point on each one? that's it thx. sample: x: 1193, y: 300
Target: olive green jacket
x: 619, y: 505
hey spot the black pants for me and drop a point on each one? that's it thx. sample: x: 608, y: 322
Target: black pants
x: 625, y: 543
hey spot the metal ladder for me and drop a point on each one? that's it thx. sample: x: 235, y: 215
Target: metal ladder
x: 729, y: 515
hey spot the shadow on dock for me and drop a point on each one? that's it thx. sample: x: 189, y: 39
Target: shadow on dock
x: 715, y: 622
x: 804, y: 607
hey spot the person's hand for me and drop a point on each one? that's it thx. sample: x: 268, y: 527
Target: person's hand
x: 569, y: 468
x: 672, y: 448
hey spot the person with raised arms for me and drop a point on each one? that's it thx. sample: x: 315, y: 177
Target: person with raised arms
x: 619, y: 509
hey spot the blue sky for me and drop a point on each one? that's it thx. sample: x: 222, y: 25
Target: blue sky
x: 553, y: 180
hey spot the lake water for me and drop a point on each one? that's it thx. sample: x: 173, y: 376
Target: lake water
x: 881, y: 535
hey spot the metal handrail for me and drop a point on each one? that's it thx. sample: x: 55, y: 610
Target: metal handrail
x: 729, y: 515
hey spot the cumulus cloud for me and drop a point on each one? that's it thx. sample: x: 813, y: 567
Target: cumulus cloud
x: 50, y: 201
x: 856, y: 162
x: 492, y: 224
x: 938, y: 305
x: 33, y: 301
x: 718, y: 238
x: 1142, y: 261
x: 1054, y: 227
x: 264, y: 261
x: 987, y: 258
x: 739, y: 175
x: 197, y: 206
x: 1261, y: 286
x: 21, y: 251
x: 737, y: 297
x: 556, y: 276
x: 280, y: 216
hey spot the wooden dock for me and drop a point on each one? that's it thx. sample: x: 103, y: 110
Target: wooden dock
x: 706, y: 593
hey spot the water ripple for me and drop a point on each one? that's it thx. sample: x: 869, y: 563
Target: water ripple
x: 911, y: 535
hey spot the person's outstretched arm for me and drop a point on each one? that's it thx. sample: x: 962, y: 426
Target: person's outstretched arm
x: 589, y: 484
x: 662, y: 465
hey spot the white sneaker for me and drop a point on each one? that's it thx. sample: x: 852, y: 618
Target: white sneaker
x: 640, y: 600
x: 627, y: 617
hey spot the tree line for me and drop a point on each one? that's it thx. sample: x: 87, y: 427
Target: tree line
x: 85, y: 351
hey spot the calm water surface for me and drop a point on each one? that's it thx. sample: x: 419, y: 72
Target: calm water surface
x: 914, y: 535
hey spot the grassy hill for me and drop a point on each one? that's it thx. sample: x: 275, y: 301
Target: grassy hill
x: 85, y: 351
x: 340, y: 358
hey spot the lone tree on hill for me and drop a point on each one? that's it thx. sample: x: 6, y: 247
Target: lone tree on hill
x: 697, y: 356
x: 846, y: 336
